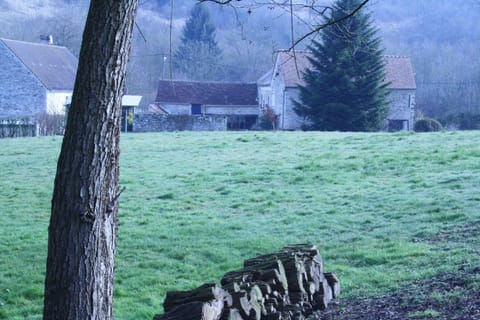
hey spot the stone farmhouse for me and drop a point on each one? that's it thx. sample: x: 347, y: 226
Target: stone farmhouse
x: 36, y: 78
x: 235, y: 101
x: 278, y: 87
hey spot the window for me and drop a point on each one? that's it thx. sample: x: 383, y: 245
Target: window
x: 196, y: 109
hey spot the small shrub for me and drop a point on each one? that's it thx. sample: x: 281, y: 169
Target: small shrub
x: 268, y: 120
x: 130, y: 117
x: 427, y: 125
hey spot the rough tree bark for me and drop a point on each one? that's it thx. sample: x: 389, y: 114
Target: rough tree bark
x: 83, y: 223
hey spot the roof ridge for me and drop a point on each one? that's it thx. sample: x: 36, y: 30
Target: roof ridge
x: 208, y: 82
x: 34, y: 43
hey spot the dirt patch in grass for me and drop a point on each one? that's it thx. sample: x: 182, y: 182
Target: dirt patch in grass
x: 466, y: 234
x: 449, y: 296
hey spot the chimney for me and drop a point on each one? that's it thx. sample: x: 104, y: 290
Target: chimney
x: 46, y: 39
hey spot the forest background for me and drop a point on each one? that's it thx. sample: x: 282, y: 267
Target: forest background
x: 441, y: 36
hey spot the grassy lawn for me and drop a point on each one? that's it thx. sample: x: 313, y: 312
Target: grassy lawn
x: 382, y: 209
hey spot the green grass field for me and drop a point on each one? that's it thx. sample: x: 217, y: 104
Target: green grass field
x: 380, y: 207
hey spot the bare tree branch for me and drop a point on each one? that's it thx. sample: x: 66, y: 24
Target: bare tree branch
x: 328, y: 23
x: 292, y: 8
x: 218, y: 1
x: 141, y: 32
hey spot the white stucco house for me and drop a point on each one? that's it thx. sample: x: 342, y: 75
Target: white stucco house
x: 35, y: 78
x: 279, y: 86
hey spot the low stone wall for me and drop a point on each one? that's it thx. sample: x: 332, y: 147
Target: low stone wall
x: 159, y: 122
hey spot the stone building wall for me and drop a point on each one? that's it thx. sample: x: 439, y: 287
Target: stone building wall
x: 21, y: 93
x: 291, y: 120
x: 231, y: 110
x: 176, y: 109
x: 277, y: 96
x: 281, y: 102
x: 402, y: 107
x: 160, y: 122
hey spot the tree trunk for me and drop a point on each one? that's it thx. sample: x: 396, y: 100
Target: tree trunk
x: 83, y: 223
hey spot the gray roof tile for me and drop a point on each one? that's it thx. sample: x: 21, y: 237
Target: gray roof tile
x: 399, y: 72
x: 54, y: 66
x: 207, y: 93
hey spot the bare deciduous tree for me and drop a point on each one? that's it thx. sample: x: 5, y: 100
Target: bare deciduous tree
x: 83, y: 223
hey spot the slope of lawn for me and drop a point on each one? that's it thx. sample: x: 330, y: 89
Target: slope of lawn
x: 380, y: 207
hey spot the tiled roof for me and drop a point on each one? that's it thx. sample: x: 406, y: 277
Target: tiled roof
x: 207, y: 93
x: 399, y: 72
x: 54, y: 66
x: 292, y: 65
x: 398, y: 69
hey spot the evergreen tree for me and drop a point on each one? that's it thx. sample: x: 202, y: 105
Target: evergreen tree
x: 198, y: 54
x: 344, y: 88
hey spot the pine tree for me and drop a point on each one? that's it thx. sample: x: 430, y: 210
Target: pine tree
x: 198, y: 54
x: 344, y: 88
